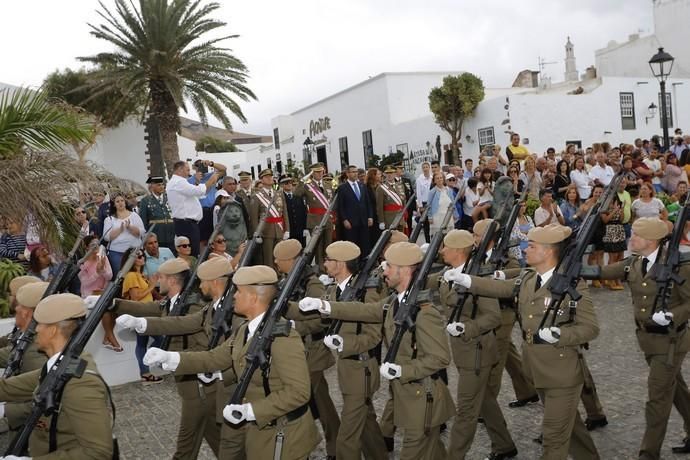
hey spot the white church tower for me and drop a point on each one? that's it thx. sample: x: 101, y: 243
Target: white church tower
x: 570, y: 69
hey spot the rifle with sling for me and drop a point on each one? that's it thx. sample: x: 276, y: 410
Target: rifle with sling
x: 222, y: 318
x: 414, y: 236
x: 406, y: 314
x: 567, y: 273
x: 357, y: 290
x: 181, y: 305
x: 69, y: 363
x: 259, y: 352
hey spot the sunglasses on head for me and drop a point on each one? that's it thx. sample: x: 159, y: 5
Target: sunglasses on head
x: 184, y: 245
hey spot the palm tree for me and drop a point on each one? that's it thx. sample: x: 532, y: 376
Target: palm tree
x: 162, y: 52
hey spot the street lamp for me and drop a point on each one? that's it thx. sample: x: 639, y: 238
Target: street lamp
x: 306, y: 151
x: 651, y: 112
x: 661, y: 64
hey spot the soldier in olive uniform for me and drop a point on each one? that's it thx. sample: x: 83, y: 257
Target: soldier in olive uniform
x: 551, y: 355
x: 358, y: 347
x: 154, y: 209
x: 311, y: 329
x: 390, y: 200
x: 275, y: 409
x: 422, y: 402
x: 82, y: 428
x: 318, y: 197
x: 244, y: 194
x: 474, y: 348
x: 173, y: 275
x: 217, y: 386
x: 277, y: 225
x: 27, y: 297
x: 662, y: 335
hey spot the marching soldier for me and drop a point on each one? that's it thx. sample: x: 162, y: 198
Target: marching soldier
x: 277, y: 225
x: 551, y: 355
x: 215, y: 389
x: 82, y: 428
x: 311, y: 329
x: 318, y: 196
x: 390, y: 199
x: 173, y: 277
x: 662, y: 336
x: 275, y: 410
x: 473, y: 344
x: 28, y: 296
x: 154, y: 209
x: 422, y: 402
x: 358, y: 354
x: 409, y: 191
x: 15, y: 284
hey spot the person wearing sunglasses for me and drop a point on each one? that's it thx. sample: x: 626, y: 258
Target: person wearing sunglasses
x: 184, y: 250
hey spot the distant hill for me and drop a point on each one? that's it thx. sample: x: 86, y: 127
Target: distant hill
x: 194, y: 130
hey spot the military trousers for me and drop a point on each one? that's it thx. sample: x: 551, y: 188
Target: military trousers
x: 328, y: 414
x: 509, y: 359
x: 233, y: 440
x: 418, y: 445
x: 325, y: 239
x: 564, y: 431
x: 359, y: 433
x: 265, y: 255
x: 386, y: 423
x: 197, y: 422
x: 590, y: 398
x: 494, y: 422
x: 663, y: 390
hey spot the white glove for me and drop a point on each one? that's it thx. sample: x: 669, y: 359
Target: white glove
x: 325, y: 279
x: 330, y: 340
x: 313, y: 304
x: 238, y: 413
x: 499, y: 275
x: 132, y: 323
x: 286, y: 235
x: 456, y: 329
x: 210, y: 378
x: 305, y: 233
x: 662, y: 318
x: 382, y: 226
x: 383, y: 265
x: 457, y: 276
x: 168, y: 360
x: 390, y: 371
x: 550, y: 335
x: 424, y: 247
x: 91, y: 300
x: 259, y: 240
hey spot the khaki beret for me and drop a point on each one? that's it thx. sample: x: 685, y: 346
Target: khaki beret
x: 317, y: 167
x: 404, y: 254
x: 214, y: 268
x: 328, y: 177
x: 257, y: 274
x: 480, y: 227
x: 20, y: 281
x: 343, y: 251
x: 287, y: 249
x: 245, y: 174
x: 389, y: 169
x: 59, y: 307
x: 265, y: 172
x: 459, y: 239
x: 173, y: 266
x: 397, y: 237
x: 650, y: 228
x: 30, y: 294
x: 551, y: 234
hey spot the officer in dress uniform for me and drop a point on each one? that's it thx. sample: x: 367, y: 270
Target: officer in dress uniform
x: 390, y: 199
x: 474, y: 348
x: 154, y: 209
x: 311, y: 329
x: 662, y: 336
x: 551, y: 355
x: 297, y: 209
x: 275, y: 410
x: 217, y: 387
x: 409, y: 191
x: 318, y: 193
x: 277, y: 225
x: 173, y: 276
x: 422, y: 402
x: 82, y: 428
x: 358, y: 347
x: 28, y: 296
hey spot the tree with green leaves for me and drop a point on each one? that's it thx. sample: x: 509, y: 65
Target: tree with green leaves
x: 163, y: 51
x: 453, y: 102
x: 210, y: 144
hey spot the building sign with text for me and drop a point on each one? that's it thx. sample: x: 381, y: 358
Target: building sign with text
x: 319, y: 126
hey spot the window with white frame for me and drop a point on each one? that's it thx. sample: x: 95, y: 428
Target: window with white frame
x: 486, y: 137
x: 627, y: 104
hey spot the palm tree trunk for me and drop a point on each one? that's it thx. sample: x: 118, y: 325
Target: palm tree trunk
x: 164, y: 109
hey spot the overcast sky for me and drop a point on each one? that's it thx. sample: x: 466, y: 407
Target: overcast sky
x: 299, y: 51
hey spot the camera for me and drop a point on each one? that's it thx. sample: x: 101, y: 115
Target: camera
x: 200, y: 166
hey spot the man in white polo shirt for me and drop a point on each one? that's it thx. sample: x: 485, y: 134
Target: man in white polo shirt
x: 601, y: 173
x: 183, y: 199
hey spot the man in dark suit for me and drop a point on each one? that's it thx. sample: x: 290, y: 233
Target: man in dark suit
x: 296, y: 208
x: 354, y: 211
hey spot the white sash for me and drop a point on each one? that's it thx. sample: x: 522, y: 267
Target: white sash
x: 272, y: 211
x: 391, y: 194
x: 319, y: 195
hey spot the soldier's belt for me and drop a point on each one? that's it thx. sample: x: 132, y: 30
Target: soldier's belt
x: 435, y: 376
x: 292, y: 415
x: 315, y: 337
x: 362, y: 356
x: 274, y: 220
x: 658, y: 329
x: 392, y: 207
x: 161, y: 221
x: 317, y: 211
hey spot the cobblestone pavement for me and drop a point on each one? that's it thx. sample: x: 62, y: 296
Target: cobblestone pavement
x: 148, y: 415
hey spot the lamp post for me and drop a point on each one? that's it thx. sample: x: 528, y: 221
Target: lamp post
x: 661, y: 64
x: 307, y: 151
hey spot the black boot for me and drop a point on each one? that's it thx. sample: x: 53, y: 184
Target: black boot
x: 593, y: 424
x: 505, y: 455
x: 523, y: 402
x: 684, y: 449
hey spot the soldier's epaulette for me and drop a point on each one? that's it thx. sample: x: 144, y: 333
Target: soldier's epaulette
x: 281, y: 328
